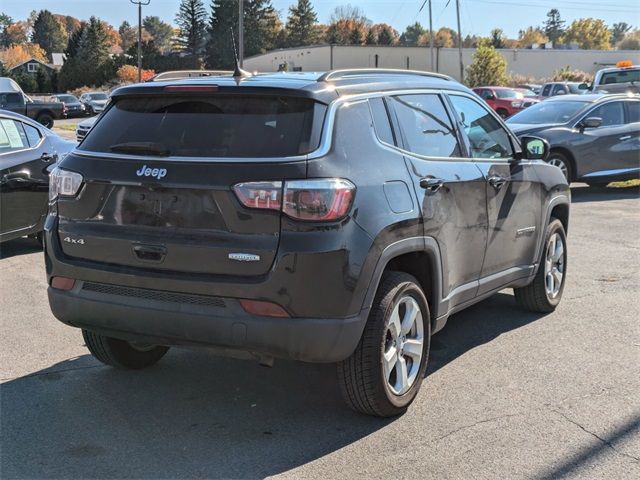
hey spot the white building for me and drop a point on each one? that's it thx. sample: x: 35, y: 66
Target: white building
x: 531, y: 63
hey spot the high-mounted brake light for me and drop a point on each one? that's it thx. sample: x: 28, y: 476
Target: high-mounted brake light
x: 316, y: 200
x: 191, y: 88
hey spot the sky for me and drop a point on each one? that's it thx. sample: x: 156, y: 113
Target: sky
x: 478, y: 17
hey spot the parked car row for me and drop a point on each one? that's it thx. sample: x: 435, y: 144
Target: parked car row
x: 89, y: 103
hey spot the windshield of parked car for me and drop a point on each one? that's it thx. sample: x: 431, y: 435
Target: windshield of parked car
x: 209, y: 126
x: 508, y: 94
x: 620, y: 76
x: 528, y: 93
x: 548, y: 112
x: 98, y: 96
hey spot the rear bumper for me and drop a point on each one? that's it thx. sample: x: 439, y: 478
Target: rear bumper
x: 220, y: 323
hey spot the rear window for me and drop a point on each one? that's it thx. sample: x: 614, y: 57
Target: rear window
x: 211, y: 126
x: 620, y: 76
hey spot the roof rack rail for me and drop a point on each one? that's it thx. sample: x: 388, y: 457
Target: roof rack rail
x: 352, y: 72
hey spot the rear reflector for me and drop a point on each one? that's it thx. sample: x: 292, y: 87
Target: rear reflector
x: 263, y: 309
x: 62, y: 283
x: 191, y: 88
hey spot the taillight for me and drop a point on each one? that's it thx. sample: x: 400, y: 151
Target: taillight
x: 319, y: 200
x: 266, y: 195
x: 63, y: 183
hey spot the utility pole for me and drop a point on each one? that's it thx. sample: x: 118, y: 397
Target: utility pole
x: 460, y: 42
x: 241, y: 32
x: 431, y: 35
x: 140, y: 3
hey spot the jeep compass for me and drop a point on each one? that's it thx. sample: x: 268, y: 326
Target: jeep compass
x: 337, y: 217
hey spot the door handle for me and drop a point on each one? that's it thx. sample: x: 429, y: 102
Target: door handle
x: 431, y: 184
x: 626, y: 137
x: 46, y: 157
x: 496, y: 181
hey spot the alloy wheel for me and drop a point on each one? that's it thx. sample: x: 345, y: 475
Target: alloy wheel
x: 403, y: 345
x: 558, y: 162
x: 554, y: 266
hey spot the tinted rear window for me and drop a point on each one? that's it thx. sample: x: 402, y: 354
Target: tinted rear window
x: 211, y: 126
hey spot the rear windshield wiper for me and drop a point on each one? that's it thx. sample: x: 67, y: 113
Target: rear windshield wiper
x: 148, y: 148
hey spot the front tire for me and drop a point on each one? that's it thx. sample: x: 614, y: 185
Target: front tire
x: 384, y: 374
x: 120, y: 353
x: 545, y: 292
x: 559, y: 160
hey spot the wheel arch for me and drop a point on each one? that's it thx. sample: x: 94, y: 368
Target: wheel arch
x: 419, y: 257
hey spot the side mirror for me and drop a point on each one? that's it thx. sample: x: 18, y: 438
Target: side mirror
x: 583, y: 86
x: 534, y: 148
x: 491, y: 96
x: 591, y: 122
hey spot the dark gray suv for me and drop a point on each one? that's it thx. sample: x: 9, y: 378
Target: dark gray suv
x: 338, y: 217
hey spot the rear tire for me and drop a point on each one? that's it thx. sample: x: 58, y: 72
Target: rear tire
x: 45, y: 119
x: 120, y: 353
x: 545, y: 292
x: 384, y: 374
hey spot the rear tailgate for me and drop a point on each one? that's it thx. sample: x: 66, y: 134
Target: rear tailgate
x: 175, y: 210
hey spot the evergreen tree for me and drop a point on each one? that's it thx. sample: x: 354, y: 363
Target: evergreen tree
x: 223, y: 19
x: 386, y: 35
x: 489, y: 67
x: 48, y: 33
x: 554, y: 26
x: 128, y: 36
x: 301, y: 23
x: 371, y: 38
x: 356, y: 37
x: 161, y: 32
x: 497, y: 38
x: 5, y: 22
x: 191, y: 19
x: 261, y: 26
x: 412, y: 34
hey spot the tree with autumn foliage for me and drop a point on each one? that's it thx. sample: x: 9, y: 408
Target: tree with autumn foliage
x: 17, y: 54
x: 531, y: 36
x: 49, y: 33
x: 129, y: 74
x: 589, y: 34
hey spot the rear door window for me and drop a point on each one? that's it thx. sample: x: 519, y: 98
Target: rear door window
x: 633, y: 110
x: 546, y: 91
x: 209, y: 126
x: 611, y: 113
x: 426, y: 127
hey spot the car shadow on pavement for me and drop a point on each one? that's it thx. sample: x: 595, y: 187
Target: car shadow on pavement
x: 475, y: 326
x: 19, y: 246
x: 585, y: 193
x: 197, y: 415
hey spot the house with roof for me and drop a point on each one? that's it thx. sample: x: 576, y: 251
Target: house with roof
x: 32, y: 65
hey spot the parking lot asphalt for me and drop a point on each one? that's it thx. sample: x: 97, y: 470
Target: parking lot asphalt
x: 509, y: 394
x: 66, y: 127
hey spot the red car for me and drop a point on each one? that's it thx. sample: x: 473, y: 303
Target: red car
x: 507, y: 101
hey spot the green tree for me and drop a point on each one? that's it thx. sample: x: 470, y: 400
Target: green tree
x: 489, y: 67
x: 618, y: 32
x: 128, y: 35
x: 26, y: 82
x: 589, y: 34
x: 223, y: 19
x: 412, y: 34
x: 497, y: 38
x: 161, y: 32
x: 261, y: 24
x: 357, y: 35
x: 43, y: 81
x: 371, y: 38
x: 386, y: 34
x: 191, y: 20
x: 554, y: 26
x: 49, y: 33
x: 301, y: 23
x: 5, y: 22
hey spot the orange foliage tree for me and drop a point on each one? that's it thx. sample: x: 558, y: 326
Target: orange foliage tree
x: 17, y: 54
x: 129, y: 74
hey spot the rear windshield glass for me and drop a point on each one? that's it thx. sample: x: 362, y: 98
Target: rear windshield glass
x: 621, y: 76
x: 548, y: 112
x: 209, y: 126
